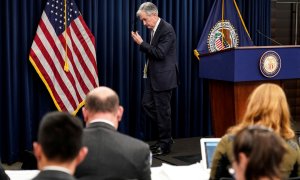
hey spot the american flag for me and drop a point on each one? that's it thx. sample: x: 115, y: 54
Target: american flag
x: 63, y: 54
x: 219, y: 43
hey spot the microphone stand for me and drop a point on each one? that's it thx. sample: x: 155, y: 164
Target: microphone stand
x: 273, y: 40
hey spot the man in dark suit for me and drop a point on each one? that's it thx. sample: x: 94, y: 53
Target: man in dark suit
x: 59, y: 148
x: 160, y: 73
x: 112, y: 155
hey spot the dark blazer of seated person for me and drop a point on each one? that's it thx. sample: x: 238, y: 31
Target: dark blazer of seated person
x: 112, y: 155
x: 3, y: 175
x: 267, y: 105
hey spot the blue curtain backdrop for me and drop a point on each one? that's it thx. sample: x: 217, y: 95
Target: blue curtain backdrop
x: 24, y: 98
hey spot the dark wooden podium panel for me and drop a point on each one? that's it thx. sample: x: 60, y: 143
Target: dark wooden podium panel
x: 228, y: 102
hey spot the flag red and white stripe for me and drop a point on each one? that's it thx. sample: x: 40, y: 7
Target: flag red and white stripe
x: 58, y: 42
x: 219, y: 44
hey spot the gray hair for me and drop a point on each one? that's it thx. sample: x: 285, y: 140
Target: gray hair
x: 148, y: 7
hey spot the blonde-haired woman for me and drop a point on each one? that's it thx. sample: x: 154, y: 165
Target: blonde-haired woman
x: 267, y: 106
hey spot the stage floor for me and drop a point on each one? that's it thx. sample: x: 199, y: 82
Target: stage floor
x: 184, y: 151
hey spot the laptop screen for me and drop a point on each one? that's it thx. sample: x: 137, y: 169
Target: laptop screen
x: 210, y: 149
x: 208, y: 146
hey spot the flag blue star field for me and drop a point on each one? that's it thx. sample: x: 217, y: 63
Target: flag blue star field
x: 224, y: 29
x: 63, y: 54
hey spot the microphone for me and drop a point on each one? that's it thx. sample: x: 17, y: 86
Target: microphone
x: 273, y: 40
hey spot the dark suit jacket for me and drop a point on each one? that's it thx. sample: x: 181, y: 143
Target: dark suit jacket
x: 53, y: 175
x: 112, y: 155
x: 162, y: 65
x: 3, y: 175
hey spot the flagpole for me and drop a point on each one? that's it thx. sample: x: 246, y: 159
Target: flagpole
x: 66, y: 66
x: 222, y: 23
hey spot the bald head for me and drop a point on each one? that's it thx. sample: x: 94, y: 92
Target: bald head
x: 102, y: 99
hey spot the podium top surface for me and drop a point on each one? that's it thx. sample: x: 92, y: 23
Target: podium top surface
x: 244, y: 64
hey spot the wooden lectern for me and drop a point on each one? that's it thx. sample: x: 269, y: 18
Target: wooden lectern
x: 234, y: 73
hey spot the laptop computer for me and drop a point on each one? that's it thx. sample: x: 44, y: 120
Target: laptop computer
x: 208, y: 146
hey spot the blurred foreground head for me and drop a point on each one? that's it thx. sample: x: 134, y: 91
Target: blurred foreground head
x: 59, y: 140
x: 258, y: 153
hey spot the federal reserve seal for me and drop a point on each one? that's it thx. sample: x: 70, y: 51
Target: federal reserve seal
x: 222, y: 36
x: 270, y: 64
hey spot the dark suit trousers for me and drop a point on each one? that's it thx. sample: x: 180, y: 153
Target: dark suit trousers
x: 157, y: 108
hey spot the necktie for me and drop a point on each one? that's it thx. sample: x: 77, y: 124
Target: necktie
x: 146, y: 65
x: 151, y: 36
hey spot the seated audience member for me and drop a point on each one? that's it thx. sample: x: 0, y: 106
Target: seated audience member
x: 59, y: 148
x: 3, y: 175
x: 267, y: 106
x: 258, y: 153
x: 112, y: 155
